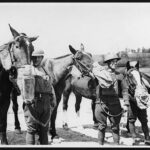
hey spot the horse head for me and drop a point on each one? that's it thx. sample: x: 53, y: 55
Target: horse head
x: 21, y: 48
x: 82, y: 60
x: 137, y: 88
x: 62, y: 65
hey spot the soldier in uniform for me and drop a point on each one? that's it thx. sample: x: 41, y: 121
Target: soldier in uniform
x: 38, y: 112
x: 108, y: 103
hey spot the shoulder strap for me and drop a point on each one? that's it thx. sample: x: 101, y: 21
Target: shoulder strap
x: 44, y: 70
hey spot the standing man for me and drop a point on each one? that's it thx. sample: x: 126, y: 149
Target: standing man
x: 107, y: 102
x: 38, y: 113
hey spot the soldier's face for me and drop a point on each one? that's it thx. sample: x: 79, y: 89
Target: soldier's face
x: 37, y: 60
x: 112, y: 64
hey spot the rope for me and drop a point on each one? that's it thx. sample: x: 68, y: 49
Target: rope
x: 109, y: 113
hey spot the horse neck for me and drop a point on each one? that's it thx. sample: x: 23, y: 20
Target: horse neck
x: 60, y: 67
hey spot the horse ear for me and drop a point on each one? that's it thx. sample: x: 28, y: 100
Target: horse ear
x: 128, y: 65
x: 82, y: 47
x: 33, y: 38
x: 137, y: 65
x: 13, y: 31
x: 72, y: 50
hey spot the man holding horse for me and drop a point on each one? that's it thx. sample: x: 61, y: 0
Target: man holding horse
x: 38, y: 113
x: 107, y: 101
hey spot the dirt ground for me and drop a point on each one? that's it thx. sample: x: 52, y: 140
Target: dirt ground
x: 81, y: 132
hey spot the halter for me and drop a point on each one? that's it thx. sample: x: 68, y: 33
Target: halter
x: 13, y: 59
x: 82, y: 68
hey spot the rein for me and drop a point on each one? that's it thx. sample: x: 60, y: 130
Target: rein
x: 111, y: 114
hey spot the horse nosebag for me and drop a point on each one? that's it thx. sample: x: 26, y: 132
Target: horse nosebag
x: 26, y: 82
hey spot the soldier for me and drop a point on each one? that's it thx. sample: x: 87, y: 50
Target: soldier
x: 107, y: 102
x: 38, y: 112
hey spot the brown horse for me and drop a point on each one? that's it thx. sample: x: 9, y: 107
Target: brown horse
x: 81, y: 86
x: 58, y: 69
x: 13, y: 55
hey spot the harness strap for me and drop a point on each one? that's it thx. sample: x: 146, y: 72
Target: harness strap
x: 83, y: 69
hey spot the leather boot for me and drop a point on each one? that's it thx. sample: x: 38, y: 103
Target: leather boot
x: 147, y: 141
x: 146, y: 133
x: 116, y: 138
x: 3, y: 138
x: 133, y: 132
x: 101, y: 136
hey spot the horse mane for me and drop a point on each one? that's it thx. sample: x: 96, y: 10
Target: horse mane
x: 5, y: 46
x: 62, y: 56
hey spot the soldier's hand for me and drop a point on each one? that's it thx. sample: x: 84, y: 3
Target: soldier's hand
x: 92, y: 75
x: 46, y: 77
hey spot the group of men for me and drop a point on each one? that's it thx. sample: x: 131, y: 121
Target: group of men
x: 107, y: 98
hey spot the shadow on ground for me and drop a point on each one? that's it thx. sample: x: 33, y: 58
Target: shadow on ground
x: 70, y: 135
x: 74, y: 136
x: 16, y: 139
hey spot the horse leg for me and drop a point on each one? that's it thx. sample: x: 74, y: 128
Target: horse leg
x: 3, y: 120
x: 77, y: 107
x: 66, y: 95
x: 15, y: 110
x: 93, y: 111
x: 52, y: 129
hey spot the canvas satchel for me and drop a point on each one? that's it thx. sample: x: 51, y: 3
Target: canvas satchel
x: 103, y: 75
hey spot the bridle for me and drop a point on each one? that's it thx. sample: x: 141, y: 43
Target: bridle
x: 81, y: 67
x: 10, y: 49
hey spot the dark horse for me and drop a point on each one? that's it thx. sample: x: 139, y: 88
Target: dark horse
x: 13, y: 55
x: 58, y: 69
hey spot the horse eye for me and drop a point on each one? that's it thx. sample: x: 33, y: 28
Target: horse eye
x: 17, y: 46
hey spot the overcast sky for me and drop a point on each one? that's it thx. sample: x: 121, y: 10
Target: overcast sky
x: 101, y: 27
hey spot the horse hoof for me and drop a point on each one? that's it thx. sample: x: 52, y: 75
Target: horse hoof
x: 3, y: 142
x: 18, y: 131
x: 56, y: 139
x: 65, y: 126
x: 134, y: 141
x: 95, y: 126
x: 147, y: 142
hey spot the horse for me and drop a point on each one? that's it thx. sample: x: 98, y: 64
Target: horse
x: 81, y: 86
x: 58, y: 69
x: 13, y: 55
x: 76, y: 83
x: 139, y: 98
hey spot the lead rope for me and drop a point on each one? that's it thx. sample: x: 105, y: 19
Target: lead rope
x: 101, y: 104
